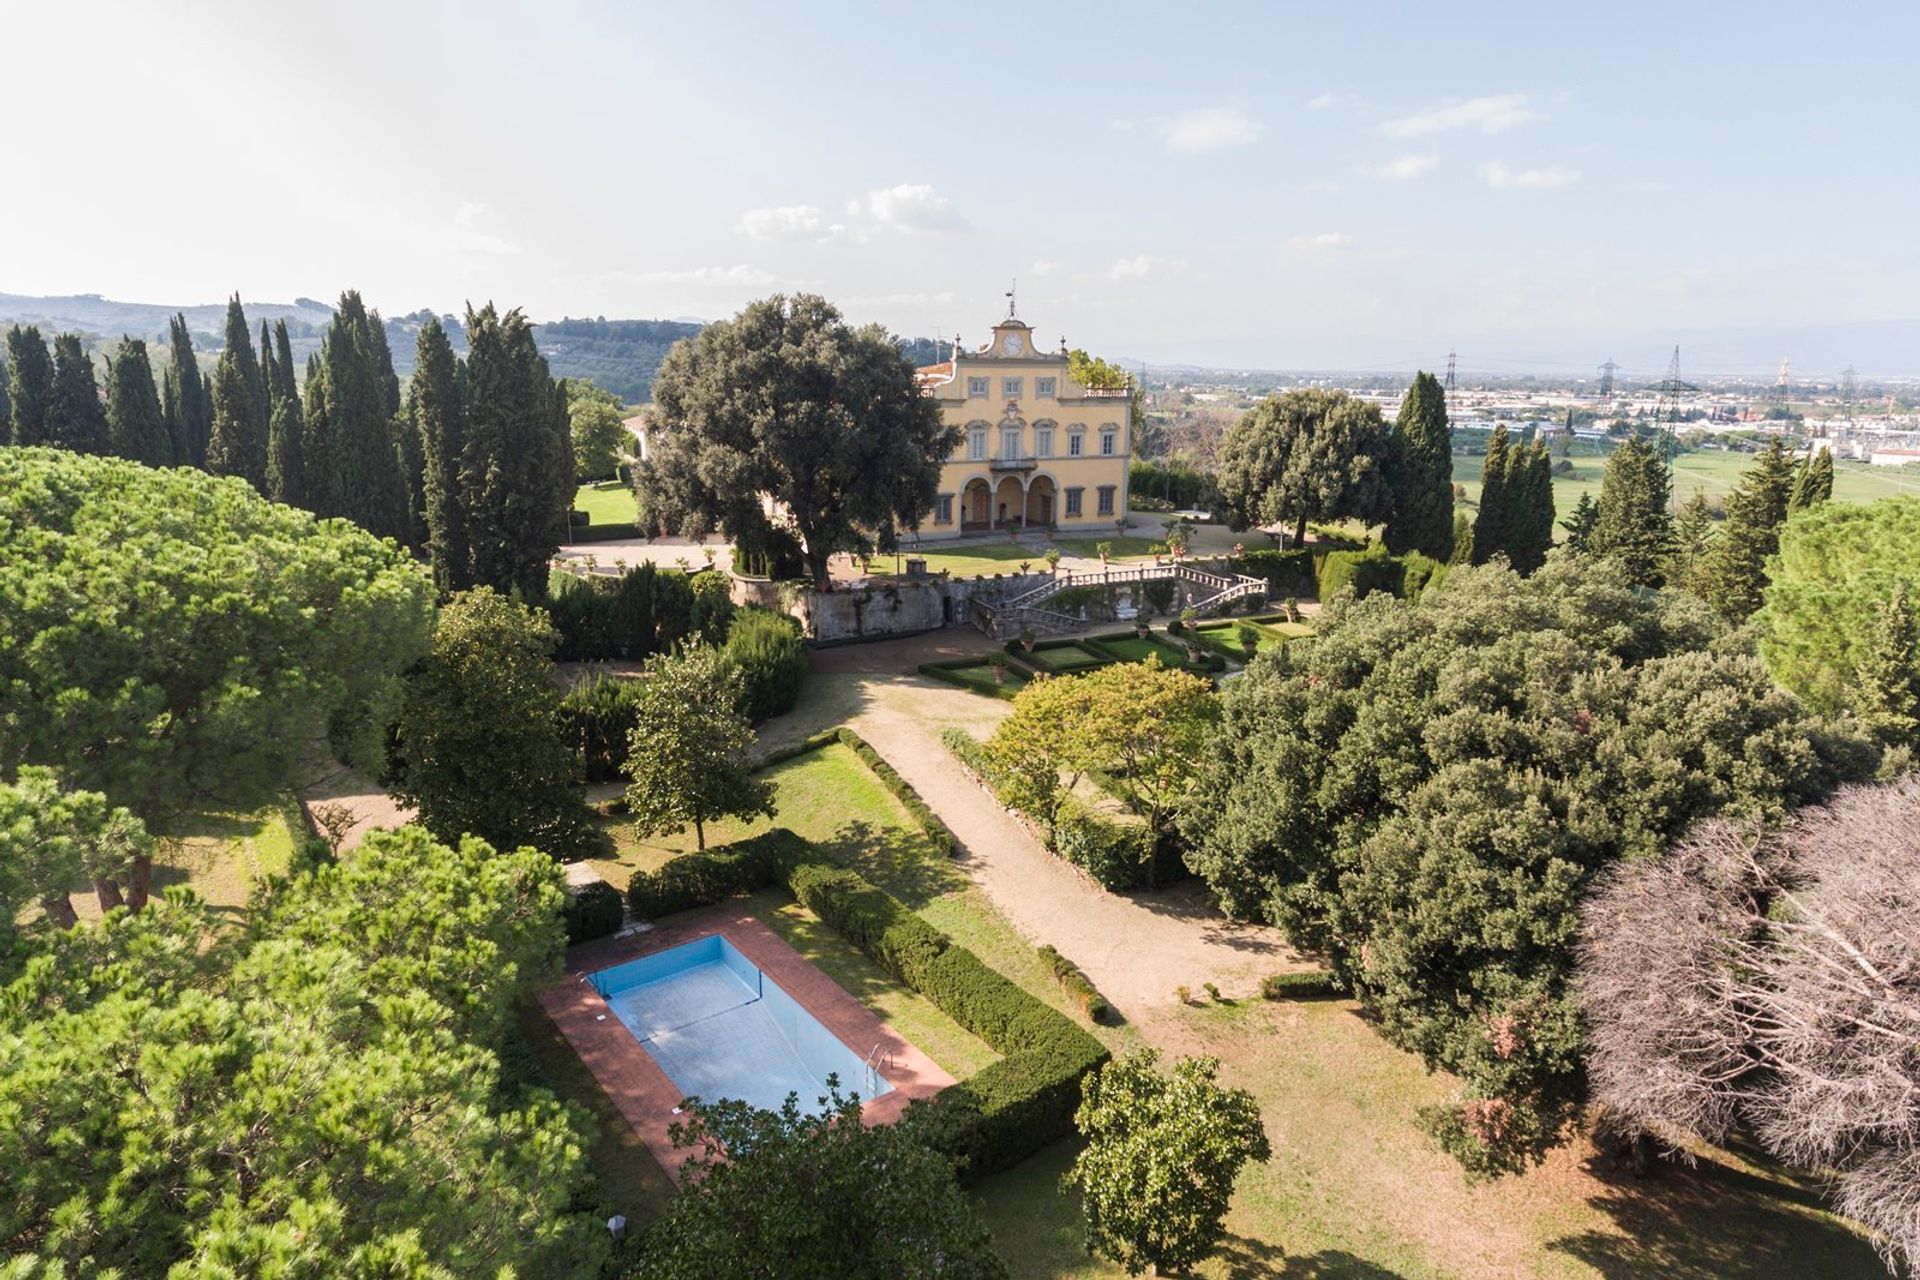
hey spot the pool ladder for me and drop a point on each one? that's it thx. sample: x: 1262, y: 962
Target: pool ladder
x: 878, y: 1059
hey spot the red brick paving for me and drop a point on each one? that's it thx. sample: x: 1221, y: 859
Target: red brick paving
x: 635, y: 1082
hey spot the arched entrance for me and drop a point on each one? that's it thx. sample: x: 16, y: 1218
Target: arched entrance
x: 1040, y: 501
x: 976, y: 507
x: 1009, y: 502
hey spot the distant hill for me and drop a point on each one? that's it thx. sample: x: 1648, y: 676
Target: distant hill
x: 620, y: 355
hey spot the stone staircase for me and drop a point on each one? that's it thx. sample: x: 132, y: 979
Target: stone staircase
x: 1207, y: 592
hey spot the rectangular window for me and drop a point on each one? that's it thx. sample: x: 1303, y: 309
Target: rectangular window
x: 1106, y: 499
x: 1042, y: 388
x: 1010, y: 388
x: 1010, y: 442
x: 1043, y: 441
x: 943, y: 509
x: 977, y: 444
x: 1076, y: 443
x: 1073, y: 501
x: 1106, y: 444
x: 977, y: 388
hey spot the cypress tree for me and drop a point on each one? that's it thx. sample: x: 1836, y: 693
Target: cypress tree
x: 518, y: 477
x: 29, y: 384
x: 136, y: 424
x: 186, y: 397
x: 1692, y: 538
x: 1579, y: 525
x: 317, y: 441
x: 359, y: 398
x: 439, y: 417
x: 1887, y: 679
x: 1631, y: 522
x: 76, y: 419
x: 286, y: 427
x: 1490, y: 529
x: 238, y: 444
x: 6, y: 407
x: 1422, y: 453
x: 1733, y: 574
x: 1813, y: 483
x: 1529, y: 490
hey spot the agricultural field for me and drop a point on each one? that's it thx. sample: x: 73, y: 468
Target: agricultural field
x: 1713, y: 473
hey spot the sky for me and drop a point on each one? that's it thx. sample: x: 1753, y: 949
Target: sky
x: 1359, y: 185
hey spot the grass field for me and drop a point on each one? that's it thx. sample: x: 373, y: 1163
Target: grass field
x: 607, y: 502
x: 1712, y: 473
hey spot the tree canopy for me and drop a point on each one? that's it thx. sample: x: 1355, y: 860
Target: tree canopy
x: 688, y: 757
x: 1422, y: 791
x: 813, y: 1195
x: 599, y: 433
x: 76, y: 419
x: 1732, y: 573
x: 29, y: 384
x: 787, y: 402
x: 1307, y: 454
x: 1631, y: 522
x: 173, y: 640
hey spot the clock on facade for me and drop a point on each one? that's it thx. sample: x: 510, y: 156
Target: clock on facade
x: 1012, y: 344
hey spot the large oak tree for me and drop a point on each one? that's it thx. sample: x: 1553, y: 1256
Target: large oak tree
x: 787, y: 402
x: 1308, y: 454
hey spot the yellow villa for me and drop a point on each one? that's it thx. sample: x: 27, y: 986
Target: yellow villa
x: 1038, y: 450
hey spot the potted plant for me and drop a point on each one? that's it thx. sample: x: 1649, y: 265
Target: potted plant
x: 1026, y: 639
x: 1188, y: 617
x: 1292, y: 606
x: 1052, y: 557
x: 1159, y: 550
x: 1249, y: 638
x: 1142, y: 622
x: 1106, y: 553
x: 998, y: 662
x: 1026, y: 566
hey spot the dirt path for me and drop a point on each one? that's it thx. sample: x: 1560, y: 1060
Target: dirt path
x: 1137, y: 948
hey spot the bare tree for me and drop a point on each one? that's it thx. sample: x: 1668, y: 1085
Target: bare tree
x: 1772, y: 980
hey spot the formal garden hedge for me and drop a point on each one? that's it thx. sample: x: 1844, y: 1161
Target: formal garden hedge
x: 632, y: 616
x: 1374, y: 570
x: 1293, y: 572
x: 1077, y: 984
x: 1306, y: 984
x: 986, y: 1123
x: 772, y: 658
x: 976, y: 676
x: 937, y: 832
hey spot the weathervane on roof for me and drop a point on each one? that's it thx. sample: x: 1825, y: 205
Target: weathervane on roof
x: 1013, y: 310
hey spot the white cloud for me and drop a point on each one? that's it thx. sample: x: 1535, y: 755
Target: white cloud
x: 469, y: 233
x: 913, y: 207
x: 1553, y: 175
x: 1402, y: 168
x: 1142, y: 265
x: 790, y: 222
x: 1490, y: 114
x: 1043, y: 267
x: 740, y: 274
x: 896, y: 301
x: 1324, y: 101
x: 1321, y: 240
x: 1209, y: 129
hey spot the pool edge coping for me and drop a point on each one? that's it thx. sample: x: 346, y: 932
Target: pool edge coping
x: 642, y: 1091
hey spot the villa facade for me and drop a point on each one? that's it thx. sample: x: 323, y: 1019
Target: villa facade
x: 1037, y: 449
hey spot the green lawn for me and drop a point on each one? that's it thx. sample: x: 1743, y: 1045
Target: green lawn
x: 1065, y: 657
x: 973, y: 558
x: 606, y: 502
x: 1132, y: 647
x: 220, y: 856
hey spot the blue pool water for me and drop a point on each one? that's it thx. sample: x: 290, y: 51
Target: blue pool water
x: 720, y: 1028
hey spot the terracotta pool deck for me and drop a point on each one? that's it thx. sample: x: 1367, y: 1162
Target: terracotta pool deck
x: 644, y: 1093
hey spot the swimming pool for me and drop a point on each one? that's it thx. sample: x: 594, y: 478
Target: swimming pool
x: 720, y: 1028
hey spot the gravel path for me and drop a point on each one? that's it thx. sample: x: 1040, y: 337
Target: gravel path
x: 1137, y: 948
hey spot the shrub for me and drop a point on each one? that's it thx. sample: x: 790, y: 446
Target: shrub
x: 631, y: 617
x: 1309, y: 984
x: 1076, y: 983
x: 598, y: 716
x: 1419, y: 573
x: 701, y: 879
x: 1365, y: 571
x: 712, y: 609
x: 1287, y: 573
x: 767, y: 648
x: 1115, y: 854
x: 594, y: 911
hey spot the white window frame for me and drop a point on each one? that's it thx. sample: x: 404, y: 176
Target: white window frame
x: 943, y: 509
x: 977, y: 444
x: 1043, y: 442
x: 1043, y: 388
x: 977, y: 388
x: 1108, y: 439
x: 1075, y: 503
x: 1076, y: 443
x: 1010, y: 442
x: 1010, y: 388
x: 1104, y: 504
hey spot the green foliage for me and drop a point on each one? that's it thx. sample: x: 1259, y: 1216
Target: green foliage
x: 701, y: 879
x: 1838, y: 565
x: 1516, y: 504
x: 516, y: 456
x: 599, y: 714
x: 1419, y: 573
x: 76, y: 419
x: 937, y: 833
x: 1175, y: 484
x: 798, y: 1195
x: 1308, y: 454
x: 644, y: 611
x: 1421, y: 474
x: 1732, y: 574
x: 786, y: 401
x: 1423, y: 793
x: 237, y: 445
x: 436, y: 407
x: 302, y: 1097
x: 186, y: 397
x: 51, y: 838
x: 481, y: 744
x: 136, y: 425
x: 1288, y: 573
x: 1631, y: 522
x: 353, y: 467
x: 689, y: 756
x: 1302, y: 984
x: 1693, y: 533
x: 1813, y: 482
x: 193, y: 637
x: 29, y: 385
x: 286, y: 426
x: 594, y: 910
x: 1163, y: 1151
x: 595, y: 423
x: 620, y: 355
x: 1076, y: 984
x: 1364, y: 571
x: 1118, y: 855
